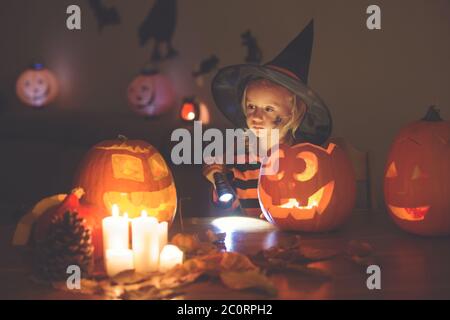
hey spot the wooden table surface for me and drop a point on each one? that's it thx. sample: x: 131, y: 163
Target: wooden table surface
x: 412, y: 267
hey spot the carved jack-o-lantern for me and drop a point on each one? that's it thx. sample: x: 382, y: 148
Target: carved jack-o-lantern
x: 131, y: 174
x: 416, y: 184
x: 37, y: 86
x: 312, y: 190
x: 150, y: 94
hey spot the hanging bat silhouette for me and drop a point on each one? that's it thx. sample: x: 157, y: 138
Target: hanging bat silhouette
x: 105, y: 15
x: 159, y: 25
x: 254, y: 54
x: 206, y: 66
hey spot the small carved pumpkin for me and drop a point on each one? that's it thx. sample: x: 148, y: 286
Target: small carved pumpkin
x: 312, y: 190
x: 417, y: 176
x: 71, y: 203
x: 151, y: 94
x: 37, y: 86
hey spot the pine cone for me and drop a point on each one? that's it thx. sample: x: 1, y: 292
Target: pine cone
x: 68, y: 242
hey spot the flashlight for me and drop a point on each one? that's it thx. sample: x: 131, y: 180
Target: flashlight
x: 224, y: 191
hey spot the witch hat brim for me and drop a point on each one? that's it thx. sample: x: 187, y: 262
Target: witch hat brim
x: 229, y: 84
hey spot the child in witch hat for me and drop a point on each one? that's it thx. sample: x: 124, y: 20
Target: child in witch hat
x: 270, y: 96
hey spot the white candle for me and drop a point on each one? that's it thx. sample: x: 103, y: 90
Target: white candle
x: 115, y: 231
x: 145, y: 240
x: 170, y: 257
x: 118, y: 260
x: 163, y: 229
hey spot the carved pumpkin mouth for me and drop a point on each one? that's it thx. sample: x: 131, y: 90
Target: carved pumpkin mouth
x: 38, y: 98
x: 156, y: 203
x: 317, y: 203
x: 149, y: 103
x: 410, y: 214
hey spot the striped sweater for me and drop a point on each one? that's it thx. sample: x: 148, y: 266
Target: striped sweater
x: 243, y: 178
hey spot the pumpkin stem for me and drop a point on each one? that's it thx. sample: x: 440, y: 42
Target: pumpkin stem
x: 78, y: 192
x: 432, y: 115
x: 122, y: 138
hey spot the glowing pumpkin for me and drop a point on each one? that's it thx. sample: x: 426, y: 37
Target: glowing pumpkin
x: 131, y: 174
x: 417, y: 176
x: 312, y: 190
x: 37, y: 86
x: 150, y: 94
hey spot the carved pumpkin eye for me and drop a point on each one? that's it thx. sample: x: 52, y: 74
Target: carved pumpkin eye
x: 158, y: 167
x: 418, y: 174
x: 392, y: 171
x: 311, y: 166
x: 127, y: 167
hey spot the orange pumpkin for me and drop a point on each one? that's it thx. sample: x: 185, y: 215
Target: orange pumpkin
x: 312, y: 190
x: 417, y: 176
x: 37, y: 86
x: 131, y: 174
x: 150, y: 94
x: 92, y: 215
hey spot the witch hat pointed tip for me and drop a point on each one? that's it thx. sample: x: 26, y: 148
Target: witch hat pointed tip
x: 295, y: 58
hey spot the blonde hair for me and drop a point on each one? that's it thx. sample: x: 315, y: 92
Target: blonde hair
x: 297, y: 112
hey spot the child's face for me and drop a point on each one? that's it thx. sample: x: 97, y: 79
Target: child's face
x: 268, y: 106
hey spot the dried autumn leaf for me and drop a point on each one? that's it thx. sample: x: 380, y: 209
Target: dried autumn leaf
x: 206, y: 263
x: 206, y: 248
x: 360, y: 253
x: 186, y: 242
x: 290, y: 242
x: 215, y: 237
x: 317, y: 254
x: 175, y: 281
x: 233, y: 261
x: 251, y: 279
x: 359, y: 248
x: 278, y: 265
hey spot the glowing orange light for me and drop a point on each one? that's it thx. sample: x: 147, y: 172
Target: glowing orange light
x: 188, y: 111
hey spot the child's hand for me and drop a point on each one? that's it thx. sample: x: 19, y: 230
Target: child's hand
x: 209, y: 170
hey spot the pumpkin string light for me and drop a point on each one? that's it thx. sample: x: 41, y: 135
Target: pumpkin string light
x: 37, y: 86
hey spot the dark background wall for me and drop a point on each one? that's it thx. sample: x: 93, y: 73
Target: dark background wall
x: 373, y: 81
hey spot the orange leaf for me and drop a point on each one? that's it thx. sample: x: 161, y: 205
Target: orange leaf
x: 251, y: 279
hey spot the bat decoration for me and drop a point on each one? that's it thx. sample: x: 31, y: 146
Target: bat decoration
x: 206, y: 66
x: 254, y: 54
x: 105, y: 15
x: 159, y: 25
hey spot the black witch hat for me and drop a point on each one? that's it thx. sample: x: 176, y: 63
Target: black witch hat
x: 290, y: 70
